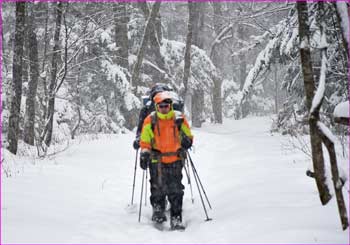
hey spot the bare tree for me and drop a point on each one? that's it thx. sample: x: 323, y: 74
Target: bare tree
x: 197, y: 97
x: 343, y: 18
x: 42, y: 86
x: 121, y: 20
x: 322, y: 130
x: 47, y: 134
x: 29, y: 134
x: 215, y: 56
x: 187, y: 57
x: 149, y: 23
x: 154, y: 42
x: 13, y: 133
x: 309, y: 84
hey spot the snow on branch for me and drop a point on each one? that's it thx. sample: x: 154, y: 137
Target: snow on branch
x: 262, y: 63
x: 219, y: 38
x: 203, y: 71
x: 326, y: 131
x: 284, y: 41
x: 342, y: 114
x: 257, y: 40
x: 342, y: 110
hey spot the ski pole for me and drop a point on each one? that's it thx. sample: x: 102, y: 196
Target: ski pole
x: 143, y: 179
x: 200, y: 182
x: 133, y: 184
x: 146, y: 188
x: 189, y: 175
x: 200, y: 194
x: 189, y: 179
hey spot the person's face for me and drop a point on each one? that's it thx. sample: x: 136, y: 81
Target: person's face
x: 163, y: 107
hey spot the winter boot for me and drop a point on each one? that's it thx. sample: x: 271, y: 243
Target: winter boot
x: 176, y: 223
x: 158, y: 214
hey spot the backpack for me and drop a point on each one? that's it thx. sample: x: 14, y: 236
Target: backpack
x: 148, y: 108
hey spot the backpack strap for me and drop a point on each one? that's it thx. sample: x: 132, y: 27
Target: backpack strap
x: 154, y: 122
x: 178, y: 120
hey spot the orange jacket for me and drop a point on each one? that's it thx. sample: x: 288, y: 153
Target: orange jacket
x: 165, y: 137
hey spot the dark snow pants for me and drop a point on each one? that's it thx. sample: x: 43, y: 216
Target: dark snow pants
x: 166, y: 181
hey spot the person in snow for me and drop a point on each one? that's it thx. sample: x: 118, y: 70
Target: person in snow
x: 164, y: 137
x: 147, y: 109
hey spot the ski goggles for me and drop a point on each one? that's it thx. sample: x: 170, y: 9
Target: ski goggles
x: 163, y: 105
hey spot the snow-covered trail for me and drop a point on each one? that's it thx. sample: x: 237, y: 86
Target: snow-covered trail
x: 259, y: 194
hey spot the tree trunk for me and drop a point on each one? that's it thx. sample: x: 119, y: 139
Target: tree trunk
x: 146, y: 34
x: 13, y: 133
x: 121, y: 20
x: 309, y: 84
x: 53, y: 83
x: 216, y: 58
x: 341, y: 28
x: 245, y: 106
x: 276, y: 89
x: 342, y: 120
x: 187, y: 56
x: 242, y: 60
x: 196, y: 8
x: 75, y: 128
x: 197, y: 100
x: 197, y: 108
x: 26, y: 51
x: 121, y: 30
x: 42, y: 89
x: 29, y: 133
x: 201, y: 26
x: 322, y: 128
x: 336, y: 179
x: 155, y: 41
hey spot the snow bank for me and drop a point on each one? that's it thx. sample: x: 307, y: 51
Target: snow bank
x: 259, y: 194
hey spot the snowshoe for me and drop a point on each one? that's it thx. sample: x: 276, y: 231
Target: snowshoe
x: 176, y: 223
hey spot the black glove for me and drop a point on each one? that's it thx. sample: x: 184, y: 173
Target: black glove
x: 145, y: 159
x: 179, y: 121
x: 136, y: 144
x: 186, y: 142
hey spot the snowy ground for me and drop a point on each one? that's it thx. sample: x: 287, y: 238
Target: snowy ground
x: 259, y: 193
